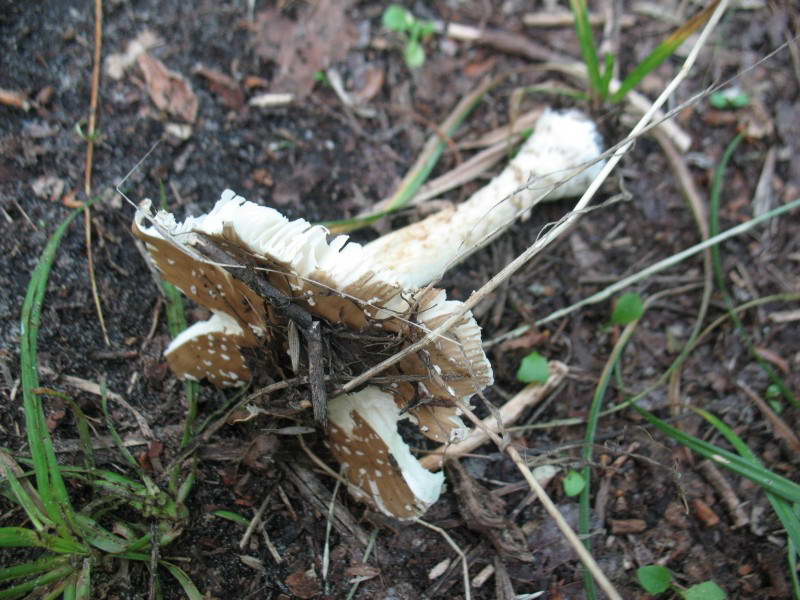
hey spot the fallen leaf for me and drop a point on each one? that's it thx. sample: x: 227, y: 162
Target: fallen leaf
x: 373, y: 82
x: 48, y: 187
x: 773, y: 357
x: 304, y: 584
x: 321, y: 36
x: 168, y: 89
x: 54, y: 418
x: 223, y: 86
x: 363, y: 571
x: 14, y: 98
x: 531, y: 339
x: 116, y: 64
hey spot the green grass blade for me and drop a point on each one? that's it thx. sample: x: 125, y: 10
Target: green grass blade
x: 794, y: 551
x: 20, y: 590
x: 37, y: 518
x: 663, y: 51
x: 583, y: 29
x: 789, y: 520
x: 429, y: 157
x: 83, y: 587
x: 48, y: 477
x: 186, y: 583
x: 100, y: 537
x: 46, y: 563
x: 719, y: 274
x: 126, y: 454
x: 588, y: 444
x: 231, y: 516
x: 22, y: 537
x: 71, y: 589
x: 176, y: 323
x: 781, y: 486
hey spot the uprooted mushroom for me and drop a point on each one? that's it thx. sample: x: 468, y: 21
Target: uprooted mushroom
x: 269, y: 281
x: 262, y: 275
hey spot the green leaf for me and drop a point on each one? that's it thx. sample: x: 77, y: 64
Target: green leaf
x: 49, y: 482
x: 231, y: 516
x: 424, y: 28
x: 654, y: 579
x: 37, y: 518
x: 46, y: 563
x: 186, y: 583
x: 414, y: 54
x: 83, y: 588
x: 731, y: 98
x: 18, y: 591
x: 533, y: 368
x: 583, y: 29
x: 397, y: 18
x: 574, y: 483
x: 663, y: 51
x: 708, y: 590
x: 629, y: 307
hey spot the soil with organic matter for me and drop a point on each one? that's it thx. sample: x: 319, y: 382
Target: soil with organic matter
x: 311, y: 109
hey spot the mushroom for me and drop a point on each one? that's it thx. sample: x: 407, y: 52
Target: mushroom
x: 263, y: 276
x: 289, y: 275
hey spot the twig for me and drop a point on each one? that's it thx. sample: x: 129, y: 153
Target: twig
x: 697, y: 206
x: 566, y: 18
x: 255, y: 520
x: 459, y: 551
x: 93, y: 388
x: 726, y: 492
x: 782, y: 430
x: 326, y: 553
x: 87, y: 180
x: 509, y: 413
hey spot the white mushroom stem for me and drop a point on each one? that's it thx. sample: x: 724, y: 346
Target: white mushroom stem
x: 559, y: 160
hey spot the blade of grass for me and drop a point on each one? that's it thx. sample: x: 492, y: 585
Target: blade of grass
x: 583, y: 29
x: 46, y: 563
x: 22, y: 537
x: 20, y: 590
x: 49, y: 482
x: 186, y: 583
x: 83, y: 586
x: 176, y: 323
x: 37, y: 518
x: 663, y: 51
x: 427, y: 160
x: 716, y: 193
x: 782, y: 508
x: 584, y: 519
x: 781, y: 486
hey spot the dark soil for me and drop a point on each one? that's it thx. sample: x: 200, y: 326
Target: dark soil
x: 317, y: 159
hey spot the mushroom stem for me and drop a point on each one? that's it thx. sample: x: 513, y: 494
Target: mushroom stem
x: 559, y: 159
